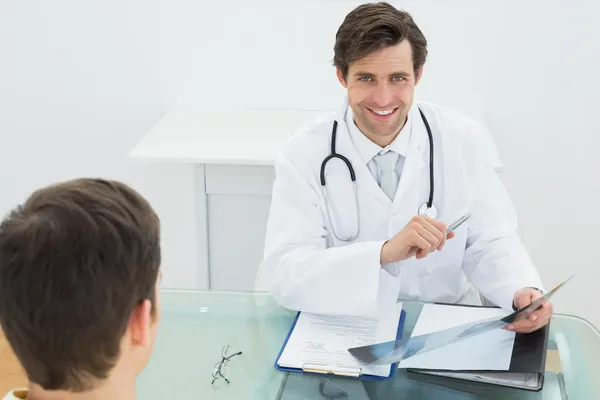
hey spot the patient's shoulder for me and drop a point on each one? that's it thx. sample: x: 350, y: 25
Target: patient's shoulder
x: 17, y: 394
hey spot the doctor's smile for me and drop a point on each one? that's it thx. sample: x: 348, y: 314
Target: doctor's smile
x: 382, y: 113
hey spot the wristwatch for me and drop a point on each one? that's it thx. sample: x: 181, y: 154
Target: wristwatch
x: 515, y: 308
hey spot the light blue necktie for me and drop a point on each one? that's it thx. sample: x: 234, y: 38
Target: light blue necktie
x: 389, y: 177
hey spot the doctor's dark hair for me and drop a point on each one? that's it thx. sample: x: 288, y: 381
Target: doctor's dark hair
x: 375, y: 26
x: 75, y: 260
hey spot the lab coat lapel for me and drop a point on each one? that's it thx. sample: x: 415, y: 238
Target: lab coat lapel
x: 415, y: 158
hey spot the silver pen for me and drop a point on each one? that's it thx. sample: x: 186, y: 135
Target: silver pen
x: 458, y: 223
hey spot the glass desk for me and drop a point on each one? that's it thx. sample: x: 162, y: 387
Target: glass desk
x: 196, y: 325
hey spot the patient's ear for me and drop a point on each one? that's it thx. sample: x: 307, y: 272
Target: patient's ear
x: 140, y: 324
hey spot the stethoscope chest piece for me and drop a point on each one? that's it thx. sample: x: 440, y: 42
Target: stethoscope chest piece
x: 430, y: 212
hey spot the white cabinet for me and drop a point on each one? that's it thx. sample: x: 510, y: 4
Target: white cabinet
x: 238, y: 199
x: 232, y: 153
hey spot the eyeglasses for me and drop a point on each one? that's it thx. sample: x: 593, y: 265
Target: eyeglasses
x: 221, y: 369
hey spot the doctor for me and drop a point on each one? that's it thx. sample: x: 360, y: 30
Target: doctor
x: 363, y: 197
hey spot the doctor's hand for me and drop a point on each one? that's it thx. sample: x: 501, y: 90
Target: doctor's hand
x: 421, y: 236
x: 537, y: 319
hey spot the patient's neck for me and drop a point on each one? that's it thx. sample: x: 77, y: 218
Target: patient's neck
x: 119, y: 386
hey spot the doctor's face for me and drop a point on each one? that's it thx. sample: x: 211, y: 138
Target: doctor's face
x: 380, y: 91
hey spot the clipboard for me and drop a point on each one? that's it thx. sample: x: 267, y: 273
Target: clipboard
x: 356, y: 373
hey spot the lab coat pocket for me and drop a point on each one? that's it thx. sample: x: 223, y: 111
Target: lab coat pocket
x: 440, y: 262
x: 444, y: 267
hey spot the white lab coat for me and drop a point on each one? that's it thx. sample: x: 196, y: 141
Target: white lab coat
x: 308, y: 269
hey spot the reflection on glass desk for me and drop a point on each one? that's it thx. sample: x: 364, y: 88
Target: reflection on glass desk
x: 196, y: 325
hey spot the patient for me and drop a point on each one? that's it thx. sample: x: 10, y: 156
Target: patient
x: 79, y: 275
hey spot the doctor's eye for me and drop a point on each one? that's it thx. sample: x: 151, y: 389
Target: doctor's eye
x: 365, y: 78
x: 398, y: 78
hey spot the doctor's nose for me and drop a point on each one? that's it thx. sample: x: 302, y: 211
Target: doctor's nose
x: 382, y: 95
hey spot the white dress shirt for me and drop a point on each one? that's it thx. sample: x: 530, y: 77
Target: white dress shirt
x: 18, y: 394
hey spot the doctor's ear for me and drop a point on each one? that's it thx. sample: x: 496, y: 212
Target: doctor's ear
x: 418, y: 76
x: 341, y: 78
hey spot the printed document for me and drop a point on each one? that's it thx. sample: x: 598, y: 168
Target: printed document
x: 321, y: 342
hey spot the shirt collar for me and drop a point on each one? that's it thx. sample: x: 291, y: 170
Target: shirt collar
x: 368, y: 149
x: 19, y: 394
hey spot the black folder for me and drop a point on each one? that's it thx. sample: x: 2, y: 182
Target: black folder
x: 527, y: 364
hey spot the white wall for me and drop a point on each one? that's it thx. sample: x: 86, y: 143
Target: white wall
x: 82, y: 82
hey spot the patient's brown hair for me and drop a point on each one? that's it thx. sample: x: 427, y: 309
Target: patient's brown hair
x: 75, y: 260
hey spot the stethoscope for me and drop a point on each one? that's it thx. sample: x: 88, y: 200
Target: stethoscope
x: 428, y: 208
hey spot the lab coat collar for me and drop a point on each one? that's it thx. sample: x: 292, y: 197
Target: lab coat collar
x: 415, y: 158
x: 368, y: 149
